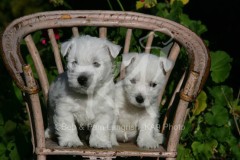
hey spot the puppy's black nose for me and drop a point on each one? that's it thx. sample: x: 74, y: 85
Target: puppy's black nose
x: 139, y: 99
x: 82, y: 80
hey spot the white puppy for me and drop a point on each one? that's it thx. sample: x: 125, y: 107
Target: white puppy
x: 84, y: 93
x: 136, y: 98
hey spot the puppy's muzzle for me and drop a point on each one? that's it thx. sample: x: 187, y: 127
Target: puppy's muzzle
x: 139, y: 98
x: 83, y: 80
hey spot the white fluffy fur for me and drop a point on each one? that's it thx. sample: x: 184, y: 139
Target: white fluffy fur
x: 90, y: 104
x: 139, y: 121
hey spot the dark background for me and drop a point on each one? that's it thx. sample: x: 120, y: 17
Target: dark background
x: 222, y: 20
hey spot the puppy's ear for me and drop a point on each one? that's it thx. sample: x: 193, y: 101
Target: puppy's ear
x: 127, y: 59
x: 113, y: 49
x: 166, y: 65
x: 67, y: 46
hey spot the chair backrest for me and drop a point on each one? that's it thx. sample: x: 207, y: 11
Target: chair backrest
x: 20, y: 32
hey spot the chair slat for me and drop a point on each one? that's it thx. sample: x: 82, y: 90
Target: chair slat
x: 75, y: 31
x: 126, y: 50
x: 38, y: 65
x: 177, y: 89
x: 127, y: 41
x: 149, y: 42
x: 174, y: 52
x: 102, y: 32
x: 173, y: 57
x: 55, y: 51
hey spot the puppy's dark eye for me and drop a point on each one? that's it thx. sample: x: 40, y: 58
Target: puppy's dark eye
x: 133, y: 81
x: 96, y: 64
x: 152, y: 84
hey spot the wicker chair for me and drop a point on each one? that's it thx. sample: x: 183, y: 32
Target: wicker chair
x: 191, y: 82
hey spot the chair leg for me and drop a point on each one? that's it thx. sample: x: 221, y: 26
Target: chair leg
x: 170, y: 158
x: 41, y: 157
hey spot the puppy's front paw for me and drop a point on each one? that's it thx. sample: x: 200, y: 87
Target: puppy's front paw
x: 48, y: 133
x: 159, y: 137
x: 99, y: 143
x: 148, y: 143
x: 69, y: 142
x: 114, y: 141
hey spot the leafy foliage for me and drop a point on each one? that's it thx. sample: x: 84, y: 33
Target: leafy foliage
x: 221, y: 66
x: 204, y: 150
x: 200, y: 104
x: 14, y: 127
x: 10, y: 10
